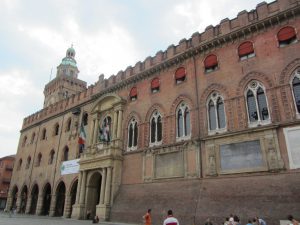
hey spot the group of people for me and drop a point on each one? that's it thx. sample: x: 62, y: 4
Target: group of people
x: 170, y: 220
x: 231, y: 220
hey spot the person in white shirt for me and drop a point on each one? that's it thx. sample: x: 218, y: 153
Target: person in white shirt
x: 171, y: 220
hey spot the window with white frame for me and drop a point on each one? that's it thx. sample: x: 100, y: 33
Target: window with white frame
x: 296, y: 90
x: 257, y: 105
x: 216, y: 113
x: 132, y: 134
x: 183, y: 122
x: 155, y: 129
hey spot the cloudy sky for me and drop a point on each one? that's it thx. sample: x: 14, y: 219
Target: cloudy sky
x: 108, y: 36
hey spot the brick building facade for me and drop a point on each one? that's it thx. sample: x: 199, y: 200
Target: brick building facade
x: 6, y: 168
x: 208, y: 127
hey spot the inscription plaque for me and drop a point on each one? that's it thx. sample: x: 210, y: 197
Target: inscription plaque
x: 169, y: 165
x: 241, y: 156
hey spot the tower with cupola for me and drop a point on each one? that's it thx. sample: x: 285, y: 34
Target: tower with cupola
x: 66, y: 82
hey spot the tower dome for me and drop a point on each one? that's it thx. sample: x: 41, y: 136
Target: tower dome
x: 70, y: 52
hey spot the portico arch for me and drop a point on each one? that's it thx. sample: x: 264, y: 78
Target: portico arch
x: 46, y: 199
x: 24, y: 195
x: 93, y: 194
x: 60, y: 199
x: 34, y: 199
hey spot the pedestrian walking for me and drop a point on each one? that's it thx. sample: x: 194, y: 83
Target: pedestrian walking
x: 260, y: 221
x: 208, y: 222
x: 291, y: 218
x: 147, y: 217
x: 170, y: 220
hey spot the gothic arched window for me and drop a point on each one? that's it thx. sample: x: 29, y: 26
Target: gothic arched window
x: 183, y: 121
x: 44, y: 132
x: 69, y: 122
x: 132, y: 134
x: 56, y: 129
x: 155, y: 129
x: 257, y: 105
x: 28, y: 162
x: 66, y: 154
x: 51, y: 157
x: 39, y: 159
x: 296, y: 90
x: 216, y: 113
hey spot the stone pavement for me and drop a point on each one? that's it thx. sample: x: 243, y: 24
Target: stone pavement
x: 5, y: 219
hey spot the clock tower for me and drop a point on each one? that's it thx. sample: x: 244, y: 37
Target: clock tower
x: 66, y: 82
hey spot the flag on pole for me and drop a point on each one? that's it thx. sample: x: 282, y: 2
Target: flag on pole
x: 82, y: 138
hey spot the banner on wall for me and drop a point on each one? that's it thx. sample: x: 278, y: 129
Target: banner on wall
x: 69, y: 167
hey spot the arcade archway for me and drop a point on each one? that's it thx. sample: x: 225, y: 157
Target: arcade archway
x: 24, y: 195
x: 60, y: 199
x: 93, y: 194
x: 46, y: 199
x: 34, y: 199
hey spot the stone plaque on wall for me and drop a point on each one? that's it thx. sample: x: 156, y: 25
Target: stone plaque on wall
x: 293, y: 145
x: 241, y: 156
x: 169, y: 165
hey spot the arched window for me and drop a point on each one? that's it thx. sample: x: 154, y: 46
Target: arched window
x: 155, y: 129
x: 286, y: 35
x: 210, y: 63
x: 19, y: 164
x: 180, y: 75
x: 132, y: 134
x: 183, y: 122
x: 28, y: 162
x: 39, y: 159
x: 68, y: 127
x: 105, y: 130
x: 133, y: 94
x: 44, y: 132
x: 51, y: 157
x: 32, y: 138
x: 246, y: 50
x: 85, y: 119
x: 155, y: 85
x: 296, y: 89
x: 56, y: 129
x: 24, y: 141
x: 66, y: 153
x: 216, y: 113
x: 257, y: 105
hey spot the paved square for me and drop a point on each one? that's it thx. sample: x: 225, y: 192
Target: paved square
x: 5, y: 219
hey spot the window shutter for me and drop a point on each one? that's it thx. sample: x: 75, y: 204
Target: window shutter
x: 133, y: 92
x: 211, y: 61
x: 245, y: 48
x: 286, y: 33
x: 180, y: 73
x: 155, y: 83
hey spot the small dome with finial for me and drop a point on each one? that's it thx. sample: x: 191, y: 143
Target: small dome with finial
x: 71, y: 52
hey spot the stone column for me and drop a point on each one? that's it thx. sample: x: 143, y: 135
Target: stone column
x: 8, y: 202
x: 67, y: 209
x: 101, y: 201
x: 18, y: 203
x: 82, y: 189
x: 115, y: 122
x: 119, y: 124
x: 95, y: 131
x: 39, y: 204
x: 78, y: 187
x: 107, y: 186
x: 28, y: 205
x: 52, y: 205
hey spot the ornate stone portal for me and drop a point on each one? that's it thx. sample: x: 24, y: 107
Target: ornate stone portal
x: 101, y: 163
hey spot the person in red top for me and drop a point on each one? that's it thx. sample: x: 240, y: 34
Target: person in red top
x: 147, y: 217
x: 171, y: 220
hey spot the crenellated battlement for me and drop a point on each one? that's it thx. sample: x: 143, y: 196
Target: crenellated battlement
x: 225, y: 27
x: 59, y: 107
x: 226, y: 31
